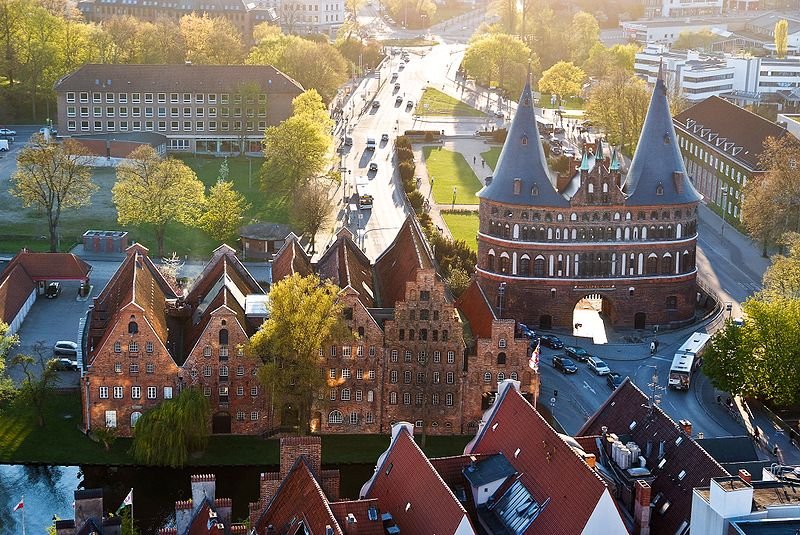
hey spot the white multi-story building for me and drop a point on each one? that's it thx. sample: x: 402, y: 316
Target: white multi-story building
x: 742, y: 79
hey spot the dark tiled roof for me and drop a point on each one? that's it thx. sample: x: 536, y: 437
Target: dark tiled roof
x: 179, y: 78
x: 628, y: 404
x: 15, y: 288
x: 346, y: 265
x: 522, y: 157
x: 299, y: 498
x: 657, y: 158
x: 730, y: 449
x: 547, y: 465
x: 407, y: 486
x: 476, y: 308
x: 399, y: 263
x: 490, y: 468
x: 224, y: 262
x: 265, y: 231
x: 50, y: 266
x: 290, y: 259
x: 154, y: 139
x: 732, y: 130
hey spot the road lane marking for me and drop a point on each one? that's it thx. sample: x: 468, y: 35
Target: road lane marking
x: 662, y: 358
x: 586, y: 385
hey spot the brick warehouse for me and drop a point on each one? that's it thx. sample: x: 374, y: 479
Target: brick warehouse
x: 411, y: 361
x: 145, y: 341
x: 630, y: 240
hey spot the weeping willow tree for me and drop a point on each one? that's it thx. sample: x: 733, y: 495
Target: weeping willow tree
x: 167, y: 434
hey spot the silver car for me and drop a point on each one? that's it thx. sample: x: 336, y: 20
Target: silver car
x: 598, y: 366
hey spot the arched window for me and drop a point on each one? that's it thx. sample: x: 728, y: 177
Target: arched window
x: 504, y: 263
x: 666, y: 264
x: 490, y: 260
x: 516, y: 232
x: 370, y: 396
x: 605, y: 187
x: 678, y: 229
x: 517, y: 186
x: 335, y: 417
x: 223, y: 337
x: 135, y: 418
x: 627, y: 216
x: 685, y: 262
x: 501, y: 358
x: 514, y: 376
x: 652, y: 264
x: 133, y: 327
x: 487, y: 377
x: 525, y: 266
x: 507, y: 231
x: 538, y: 266
x: 501, y: 377
x: 590, y: 188
x: 573, y: 216
x: 524, y: 140
x: 524, y: 233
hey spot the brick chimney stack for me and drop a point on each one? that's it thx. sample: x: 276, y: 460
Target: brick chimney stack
x: 686, y: 425
x: 294, y: 447
x: 351, y: 525
x: 745, y: 475
x: 641, y: 511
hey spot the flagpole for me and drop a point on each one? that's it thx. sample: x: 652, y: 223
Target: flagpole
x: 131, y: 510
x: 23, y: 515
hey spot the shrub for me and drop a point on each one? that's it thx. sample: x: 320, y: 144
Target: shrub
x: 429, y: 136
x: 404, y: 155
x: 406, y: 171
x: 499, y: 136
x: 402, y: 142
x: 417, y: 201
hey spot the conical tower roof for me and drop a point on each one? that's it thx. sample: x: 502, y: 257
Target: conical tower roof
x: 652, y: 177
x: 523, y: 159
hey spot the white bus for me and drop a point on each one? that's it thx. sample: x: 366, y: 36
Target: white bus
x: 686, y: 360
x: 364, y: 195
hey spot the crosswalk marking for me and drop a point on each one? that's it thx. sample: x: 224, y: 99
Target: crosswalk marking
x: 662, y: 358
x: 750, y: 286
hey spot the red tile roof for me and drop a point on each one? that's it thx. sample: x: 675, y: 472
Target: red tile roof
x: 360, y: 510
x: 476, y: 308
x: 223, y: 262
x: 298, y: 499
x: 15, y: 288
x: 548, y: 466
x: 407, y: 486
x: 399, y: 263
x: 628, y: 404
x: 50, y: 266
x: 346, y: 265
x: 290, y: 259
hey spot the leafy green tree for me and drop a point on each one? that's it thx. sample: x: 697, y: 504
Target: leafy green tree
x: 7, y: 342
x: 310, y: 104
x: 153, y: 191
x: 411, y: 13
x: 701, y: 40
x: 563, y: 79
x: 106, y: 435
x: 618, y: 104
x: 781, y: 37
x: 306, y: 316
x: 211, y: 40
x: 584, y: 32
x: 39, y: 376
x: 311, y: 209
x: 603, y: 61
x: 499, y: 59
x: 53, y: 177
x: 724, y: 362
x: 224, y: 210
x: 782, y: 278
x: 169, y: 433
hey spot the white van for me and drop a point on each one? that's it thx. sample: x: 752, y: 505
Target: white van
x: 3, y: 145
x: 371, y: 144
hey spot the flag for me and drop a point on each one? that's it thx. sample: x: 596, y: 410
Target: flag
x: 127, y: 501
x: 20, y: 505
x: 534, y: 360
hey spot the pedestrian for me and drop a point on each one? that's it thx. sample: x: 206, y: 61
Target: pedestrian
x: 652, y: 348
x: 483, y: 163
x: 474, y: 159
x: 719, y: 400
x: 775, y: 450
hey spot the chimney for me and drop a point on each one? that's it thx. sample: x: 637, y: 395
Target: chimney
x: 590, y: 459
x: 203, y: 486
x: 183, y: 515
x: 294, y: 447
x: 351, y: 525
x: 745, y: 475
x: 686, y: 425
x: 641, y: 510
x: 224, y: 507
x: 88, y: 504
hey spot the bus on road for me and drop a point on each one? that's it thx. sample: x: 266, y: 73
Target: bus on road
x: 687, y: 360
x: 364, y: 194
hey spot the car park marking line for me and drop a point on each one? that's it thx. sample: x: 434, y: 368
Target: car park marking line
x: 586, y: 385
x: 662, y: 358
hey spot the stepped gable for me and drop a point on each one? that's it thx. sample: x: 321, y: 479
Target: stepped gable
x: 548, y: 467
x: 522, y: 159
x: 223, y: 262
x: 136, y: 281
x: 346, y: 265
x: 652, y: 178
x: 629, y: 414
x: 408, y: 487
x: 290, y: 259
x: 399, y: 263
x: 479, y: 313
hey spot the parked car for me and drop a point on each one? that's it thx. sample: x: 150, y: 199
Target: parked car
x: 384, y: 137
x: 65, y: 347
x: 614, y: 380
x: 598, y: 366
x: 65, y: 364
x: 551, y: 341
x: 397, y: 87
x: 395, y: 75
x: 525, y: 331
x: 409, y: 105
x: 577, y: 353
x: 348, y: 141
x: 402, y: 66
x: 499, y: 114
x: 558, y: 130
x: 555, y: 150
x: 53, y: 289
x: 555, y: 142
x: 564, y: 364
x: 376, y: 104
x: 7, y: 132
x: 398, y: 100
x: 373, y: 166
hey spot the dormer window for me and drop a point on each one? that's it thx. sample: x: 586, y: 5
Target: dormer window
x: 659, y: 189
x: 517, y: 186
x: 666, y: 139
x: 524, y: 140
x: 535, y: 191
x: 133, y: 327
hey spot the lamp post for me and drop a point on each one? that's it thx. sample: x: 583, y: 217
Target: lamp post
x: 454, y: 198
x: 724, y: 190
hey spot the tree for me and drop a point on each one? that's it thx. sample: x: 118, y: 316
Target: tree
x: 584, y: 32
x: 499, y: 59
x: 153, y: 191
x: 53, y: 177
x: 618, y: 105
x: 781, y: 38
x: 7, y: 342
x: 224, y: 211
x: 311, y: 209
x: 602, y: 61
x: 701, y: 40
x: 724, y: 363
x: 305, y: 316
x: 106, y: 435
x: 36, y: 386
x: 310, y: 104
x: 782, y: 278
x: 563, y: 79
x: 211, y: 40
x: 167, y: 434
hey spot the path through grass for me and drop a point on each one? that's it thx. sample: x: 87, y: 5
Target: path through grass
x: 434, y: 102
x: 450, y: 170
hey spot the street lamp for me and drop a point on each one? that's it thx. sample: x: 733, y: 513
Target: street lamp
x: 454, y: 198
x: 724, y: 190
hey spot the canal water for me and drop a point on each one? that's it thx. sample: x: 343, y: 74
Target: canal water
x: 48, y: 491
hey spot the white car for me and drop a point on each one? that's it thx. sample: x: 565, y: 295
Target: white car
x: 7, y: 132
x: 598, y: 366
x: 65, y: 347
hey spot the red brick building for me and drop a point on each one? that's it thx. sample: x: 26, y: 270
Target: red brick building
x: 145, y: 341
x: 544, y: 244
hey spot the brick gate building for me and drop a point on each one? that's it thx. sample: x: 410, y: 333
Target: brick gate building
x: 544, y: 245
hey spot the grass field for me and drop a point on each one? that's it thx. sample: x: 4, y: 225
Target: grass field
x: 570, y: 103
x: 463, y: 226
x: 21, y: 227
x: 450, y: 170
x: 491, y: 156
x: 434, y: 102
x: 60, y: 442
x: 448, y: 11
x: 417, y: 41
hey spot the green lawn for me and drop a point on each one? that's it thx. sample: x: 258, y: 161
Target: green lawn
x: 434, y: 102
x: 20, y: 227
x: 450, y: 170
x: 463, y: 226
x: 491, y: 156
x: 448, y: 11
x: 60, y: 442
x: 570, y: 103
x: 417, y: 41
